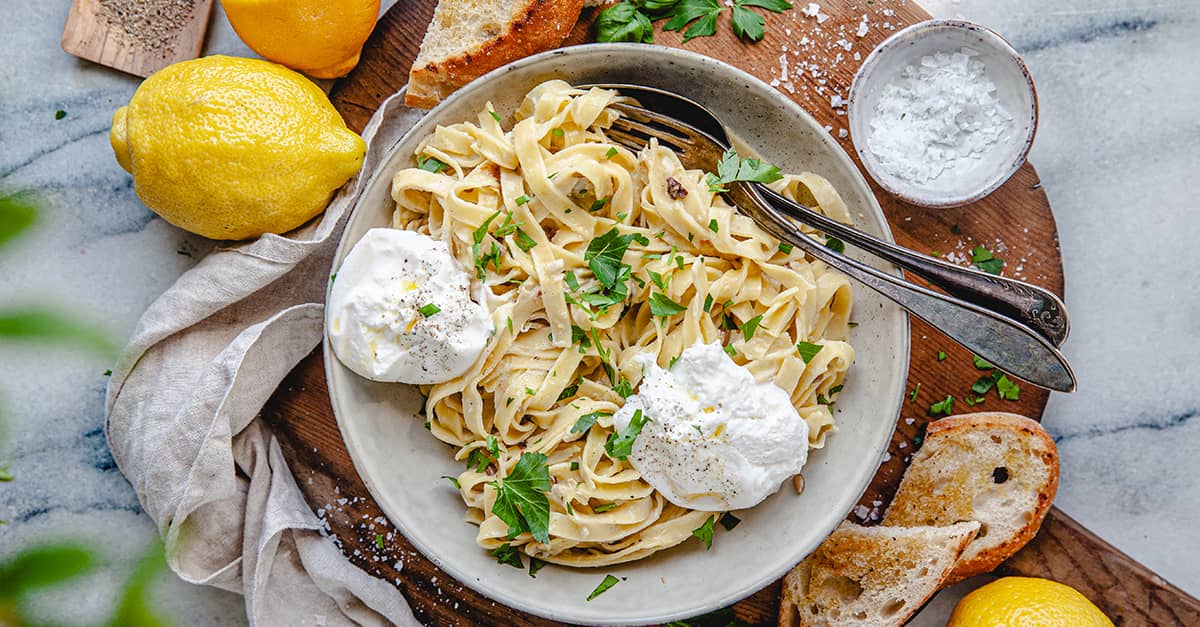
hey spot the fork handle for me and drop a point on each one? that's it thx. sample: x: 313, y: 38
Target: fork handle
x: 1009, y: 345
x: 1032, y: 306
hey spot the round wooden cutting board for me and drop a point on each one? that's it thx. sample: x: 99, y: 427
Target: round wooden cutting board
x: 1015, y: 223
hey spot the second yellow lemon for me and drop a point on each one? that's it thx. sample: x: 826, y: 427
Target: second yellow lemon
x: 1027, y: 602
x: 322, y: 38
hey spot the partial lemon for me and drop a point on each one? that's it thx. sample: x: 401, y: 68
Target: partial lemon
x: 232, y: 148
x: 322, y: 38
x: 1026, y: 602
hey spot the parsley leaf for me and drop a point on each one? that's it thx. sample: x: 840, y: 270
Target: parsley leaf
x: 507, y: 554
x: 620, y: 445
x: 708, y: 303
x: 379, y: 544
x: 785, y: 248
x: 732, y: 168
x: 604, y: 255
x: 943, y: 407
x: 912, y: 397
x: 982, y: 363
x: 609, y: 581
x: 663, y: 307
x: 941, y: 356
x: 521, y: 500
x: 984, y: 384
x: 1007, y: 389
x: 429, y: 310
x: 429, y: 164
x: 535, y: 565
x: 985, y: 260
x: 778, y: 6
x: 703, y: 12
x: 623, y: 388
x: 808, y: 350
x: 750, y: 327
x: 705, y: 532
x: 624, y: 22
x: 524, y: 242
x: 747, y: 24
x: 835, y: 244
x: 586, y: 421
x: 453, y: 480
x: 604, y: 507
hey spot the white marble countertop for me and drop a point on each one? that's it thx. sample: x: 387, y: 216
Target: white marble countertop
x: 1116, y: 150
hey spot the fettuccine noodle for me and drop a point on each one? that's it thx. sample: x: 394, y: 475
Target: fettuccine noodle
x: 550, y: 185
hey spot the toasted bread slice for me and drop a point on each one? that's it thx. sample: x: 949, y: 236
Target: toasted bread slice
x: 998, y: 469
x: 469, y: 38
x: 871, y: 576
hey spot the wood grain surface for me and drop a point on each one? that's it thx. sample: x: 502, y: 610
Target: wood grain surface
x: 1015, y: 222
x: 136, y: 36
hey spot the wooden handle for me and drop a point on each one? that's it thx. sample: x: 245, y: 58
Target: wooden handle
x: 137, y: 37
x: 1127, y: 591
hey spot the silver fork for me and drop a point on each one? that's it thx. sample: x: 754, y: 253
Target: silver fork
x: 1006, y: 343
x: 1033, y: 306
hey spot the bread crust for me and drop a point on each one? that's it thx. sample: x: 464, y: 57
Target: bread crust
x: 543, y: 25
x: 987, y: 561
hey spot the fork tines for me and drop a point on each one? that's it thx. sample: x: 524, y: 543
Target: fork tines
x: 636, y: 126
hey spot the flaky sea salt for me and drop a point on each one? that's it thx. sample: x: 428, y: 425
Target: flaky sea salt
x: 937, y: 117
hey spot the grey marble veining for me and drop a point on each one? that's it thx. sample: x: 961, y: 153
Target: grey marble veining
x: 1116, y: 150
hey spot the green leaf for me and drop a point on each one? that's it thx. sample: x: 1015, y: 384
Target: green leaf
x: 941, y: 356
x: 623, y: 388
x: 429, y: 164
x: 808, y: 350
x: 687, y: 10
x: 985, y: 260
x: 586, y: 421
x: 609, y: 581
x: 524, y: 242
x: 663, y: 307
x: 943, y: 407
x: 479, y: 233
x: 521, y: 500
x: 1007, y: 389
x: 747, y: 24
x: 598, y: 204
x: 60, y: 114
x: 17, y: 214
x: 704, y: 27
x: 43, y: 566
x: 712, y: 226
x: 750, y: 327
x: 604, y: 507
x: 507, y: 554
x: 429, y: 309
x: 708, y: 303
x: 612, y: 152
x: 620, y: 445
x: 535, y: 565
x: 624, y: 22
x: 658, y: 279
x: 45, y: 325
x: 135, y: 607
x: 478, y: 460
x: 983, y: 384
x: 495, y: 116
x: 778, y: 6
x: 728, y: 166
x: 785, y: 248
x: 982, y: 363
x: 835, y: 244
x: 604, y: 254
x: 730, y: 350
x: 705, y: 532
x: 379, y: 542
x: 453, y: 480
x: 912, y: 396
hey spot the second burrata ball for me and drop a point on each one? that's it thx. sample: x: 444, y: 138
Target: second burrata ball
x: 716, y: 439
x: 400, y: 310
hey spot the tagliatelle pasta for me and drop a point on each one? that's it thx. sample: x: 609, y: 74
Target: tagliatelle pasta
x: 519, y: 209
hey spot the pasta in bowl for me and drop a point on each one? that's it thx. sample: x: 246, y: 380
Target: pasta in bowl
x: 602, y: 269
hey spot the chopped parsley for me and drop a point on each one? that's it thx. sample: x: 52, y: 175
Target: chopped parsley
x: 985, y: 260
x: 623, y: 388
x: 750, y: 326
x: 508, y: 554
x: 808, y: 350
x: 521, y: 500
x: 730, y: 350
x: 379, y: 541
x: 732, y: 168
x: 612, y: 152
x: 912, y: 396
x: 586, y: 421
x: 60, y: 114
x: 569, y: 391
x: 598, y: 204
x: 535, y: 565
x: 663, y: 307
x: 708, y: 303
x: 941, y: 356
x: 524, y: 242
x: 495, y: 116
x: 785, y: 248
x: 558, y: 132
x: 705, y: 532
x: 492, y: 256
x: 429, y: 164
x: 609, y: 581
x: 983, y: 384
x: 712, y: 226
x: 1007, y: 389
x: 574, y: 465
x: 658, y: 279
x: 522, y: 199
x: 429, y: 309
x: 982, y: 363
x: 604, y: 507
x: 943, y: 407
x: 835, y: 244
x: 453, y: 480
x: 620, y: 444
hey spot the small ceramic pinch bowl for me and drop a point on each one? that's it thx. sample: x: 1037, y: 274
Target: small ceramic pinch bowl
x: 975, y: 177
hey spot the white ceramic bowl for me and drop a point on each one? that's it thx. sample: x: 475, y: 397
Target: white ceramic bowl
x: 1014, y: 90
x: 401, y: 463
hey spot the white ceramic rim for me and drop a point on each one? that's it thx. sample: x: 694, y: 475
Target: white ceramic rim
x: 868, y: 160
x: 651, y: 616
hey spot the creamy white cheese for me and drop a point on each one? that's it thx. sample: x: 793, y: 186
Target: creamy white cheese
x: 716, y: 440
x: 375, y: 319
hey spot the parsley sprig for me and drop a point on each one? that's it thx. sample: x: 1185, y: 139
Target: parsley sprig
x: 620, y: 444
x: 732, y: 168
x: 521, y: 500
x: 633, y: 20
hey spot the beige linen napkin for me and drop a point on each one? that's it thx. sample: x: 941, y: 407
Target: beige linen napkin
x: 182, y: 420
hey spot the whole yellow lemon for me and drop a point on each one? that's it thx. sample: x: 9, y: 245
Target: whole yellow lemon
x: 1026, y: 602
x: 232, y: 148
x: 322, y: 38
